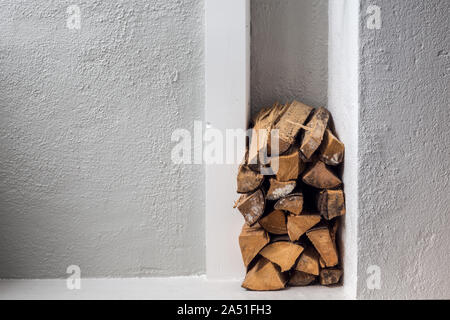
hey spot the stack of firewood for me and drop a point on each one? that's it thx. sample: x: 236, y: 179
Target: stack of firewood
x: 291, y: 216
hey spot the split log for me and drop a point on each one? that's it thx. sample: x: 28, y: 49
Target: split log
x: 319, y: 176
x: 264, y: 276
x: 251, y: 206
x: 330, y: 276
x: 252, y: 240
x: 282, y: 253
x: 321, y: 239
x: 309, y: 261
x: 298, y: 225
x: 248, y: 180
x: 299, y: 278
x: 279, y: 189
x: 290, y: 123
x: 292, y: 203
x: 332, y: 150
x: 289, y: 166
x: 265, y: 121
x: 331, y: 203
x: 274, y: 222
x: 334, y: 230
x: 313, y: 137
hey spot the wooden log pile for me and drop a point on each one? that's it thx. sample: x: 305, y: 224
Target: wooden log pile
x: 293, y: 215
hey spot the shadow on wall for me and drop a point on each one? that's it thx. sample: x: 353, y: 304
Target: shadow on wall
x: 289, y: 52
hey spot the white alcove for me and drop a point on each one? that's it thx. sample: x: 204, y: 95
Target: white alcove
x: 228, y: 47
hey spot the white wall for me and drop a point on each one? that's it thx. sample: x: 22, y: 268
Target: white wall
x: 289, y: 52
x: 343, y: 60
x: 86, y: 118
x: 404, y: 150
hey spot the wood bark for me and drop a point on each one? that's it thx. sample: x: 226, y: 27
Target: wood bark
x: 330, y: 276
x: 299, y: 278
x: 331, y: 203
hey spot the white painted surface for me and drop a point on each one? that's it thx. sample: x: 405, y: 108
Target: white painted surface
x: 86, y: 118
x: 343, y: 60
x: 404, y: 150
x: 227, y: 94
x: 289, y: 52
x: 177, y: 288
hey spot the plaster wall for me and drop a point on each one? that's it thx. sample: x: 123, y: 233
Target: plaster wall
x: 289, y: 52
x: 86, y: 117
x: 404, y: 150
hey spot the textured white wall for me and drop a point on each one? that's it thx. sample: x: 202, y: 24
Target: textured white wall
x: 404, y: 150
x: 343, y: 61
x: 85, y: 123
x: 289, y: 52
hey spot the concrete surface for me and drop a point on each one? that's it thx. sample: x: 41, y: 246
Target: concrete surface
x: 404, y: 150
x: 289, y: 52
x: 85, y: 123
x: 174, y: 288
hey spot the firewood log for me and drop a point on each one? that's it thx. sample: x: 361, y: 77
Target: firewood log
x: 279, y: 189
x: 331, y: 203
x: 251, y: 240
x: 274, y: 222
x: 330, y: 276
x: 282, y: 253
x: 264, y: 276
x: 299, y: 278
x: 324, y: 244
x: 265, y: 120
x: 292, y: 203
x: 331, y: 150
x: 309, y: 261
x: 334, y: 230
x: 320, y: 177
x: 248, y: 180
x: 251, y: 206
x: 290, y: 123
x: 289, y: 166
x: 298, y: 225
x: 313, y: 137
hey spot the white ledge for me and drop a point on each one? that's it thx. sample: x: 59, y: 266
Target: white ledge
x: 176, y: 288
